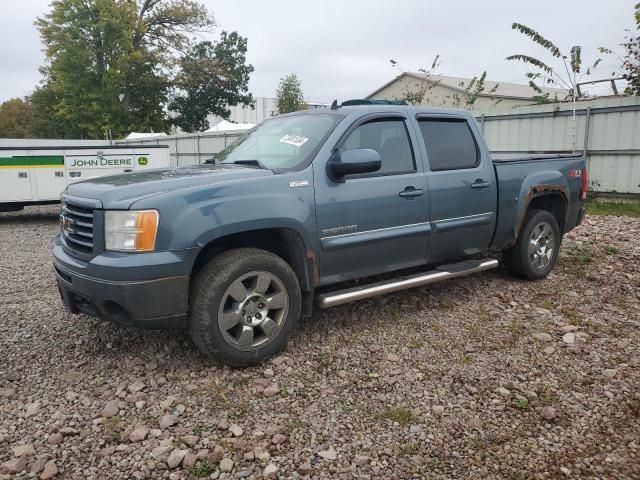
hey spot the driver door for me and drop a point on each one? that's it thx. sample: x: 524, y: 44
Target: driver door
x: 376, y: 222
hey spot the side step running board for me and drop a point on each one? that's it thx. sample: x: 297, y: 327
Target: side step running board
x: 444, y: 272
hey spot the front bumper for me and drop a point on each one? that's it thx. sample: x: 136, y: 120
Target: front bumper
x: 159, y: 303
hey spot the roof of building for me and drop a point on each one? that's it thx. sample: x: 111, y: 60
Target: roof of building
x: 503, y: 89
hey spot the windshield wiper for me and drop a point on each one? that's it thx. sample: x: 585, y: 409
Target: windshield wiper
x: 255, y: 163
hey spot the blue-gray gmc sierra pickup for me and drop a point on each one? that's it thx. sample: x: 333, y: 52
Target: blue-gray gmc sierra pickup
x: 299, y: 208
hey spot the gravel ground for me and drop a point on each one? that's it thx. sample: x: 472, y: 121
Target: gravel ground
x: 481, y: 377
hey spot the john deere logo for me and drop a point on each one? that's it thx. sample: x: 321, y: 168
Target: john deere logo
x: 142, y: 161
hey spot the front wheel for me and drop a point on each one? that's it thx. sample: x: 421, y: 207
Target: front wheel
x: 535, y: 253
x: 243, y: 306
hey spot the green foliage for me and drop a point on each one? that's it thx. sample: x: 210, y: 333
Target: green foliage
x: 419, y: 93
x: 404, y: 416
x: 566, y: 78
x: 631, y: 65
x: 289, y: 96
x: 212, y: 77
x: 537, y: 38
x: 108, y: 61
x: 15, y: 118
x: 521, y: 404
x: 611, y: 208
x: 201, y: 469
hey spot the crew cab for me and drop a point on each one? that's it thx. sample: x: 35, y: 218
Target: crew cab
x: 331, y: 205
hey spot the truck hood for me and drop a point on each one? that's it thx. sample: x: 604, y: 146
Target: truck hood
x: 120, y: 191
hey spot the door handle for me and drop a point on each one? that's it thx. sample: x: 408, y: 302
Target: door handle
x: 410, y: 192
x: 479, y: 183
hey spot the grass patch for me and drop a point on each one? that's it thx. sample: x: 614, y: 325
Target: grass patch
x: 612, y: 208
x: 407, y: 449
x: 113, y: 429
x: 571, y: 315
x: 521, y: 404
x: 201, y: 470
x: 415, y: 343
x: 632, y: 406
x: 547, y: 398
x: 294, y: 424
x: 172, y: 377
x: 609, y: 250
x: 404, y: 416
x: 446, y: 304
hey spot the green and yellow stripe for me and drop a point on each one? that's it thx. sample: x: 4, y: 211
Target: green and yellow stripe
x: 33, y: 161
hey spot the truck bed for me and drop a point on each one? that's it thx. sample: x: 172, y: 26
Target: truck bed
x: 521, y: 177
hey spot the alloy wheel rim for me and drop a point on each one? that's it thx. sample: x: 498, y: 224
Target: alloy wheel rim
x: 253, y: 310
x: 541, y: 245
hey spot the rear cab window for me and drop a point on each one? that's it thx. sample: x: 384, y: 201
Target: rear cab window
x: 449, y: 143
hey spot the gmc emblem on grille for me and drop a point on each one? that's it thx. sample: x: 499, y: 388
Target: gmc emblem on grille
x: 66, y: 224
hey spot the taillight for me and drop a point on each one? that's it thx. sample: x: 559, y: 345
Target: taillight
x: 583, y: 188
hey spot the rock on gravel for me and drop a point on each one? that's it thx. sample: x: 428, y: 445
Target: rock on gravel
x: 543, y: 337
x: 15, y: 465
x: 50, y: 470
x: 139, y: 434
x: 226, y: 465
x: 111, y: 409
x: 22, y: 450
x: 548, y: 413
x: 175, y: 458
x: 329, y: 454
x: 168, y: 421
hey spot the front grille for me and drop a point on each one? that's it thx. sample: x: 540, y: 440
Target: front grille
x: 76, y: 223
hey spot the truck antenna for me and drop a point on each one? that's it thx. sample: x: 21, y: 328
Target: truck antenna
x: 334, y: 105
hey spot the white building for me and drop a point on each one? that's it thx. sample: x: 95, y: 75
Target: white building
x: 264, y: 108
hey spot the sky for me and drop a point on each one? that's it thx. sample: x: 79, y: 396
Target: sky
x: 341, y: 48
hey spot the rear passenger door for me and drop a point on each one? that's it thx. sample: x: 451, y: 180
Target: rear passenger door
x: 462, y: 188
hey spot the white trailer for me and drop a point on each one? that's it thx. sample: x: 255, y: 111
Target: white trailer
x: 38, y: 175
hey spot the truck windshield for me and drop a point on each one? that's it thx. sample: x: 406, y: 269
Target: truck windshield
x: 280, y: 143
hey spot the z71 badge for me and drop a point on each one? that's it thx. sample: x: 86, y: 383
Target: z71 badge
x: 327, y: 232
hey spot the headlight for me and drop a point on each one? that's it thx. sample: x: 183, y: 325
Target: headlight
x: 130, y: 230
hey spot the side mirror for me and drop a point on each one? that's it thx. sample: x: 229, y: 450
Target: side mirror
x: 350, y: 162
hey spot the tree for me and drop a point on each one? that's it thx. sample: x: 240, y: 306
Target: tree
x: 420, y: 92
x: 471, y: 91
x: 212, y: 77
x: 289, y: 96
x: 108, y: 60
x: 631, y: 65
x: 15, y: 119
x: 568, y: 78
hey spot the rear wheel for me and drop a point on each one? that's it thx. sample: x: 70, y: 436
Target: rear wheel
x: 535, y: 253
x: 244, y: 305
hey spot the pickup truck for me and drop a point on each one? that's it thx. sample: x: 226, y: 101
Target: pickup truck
x: 325, y: 206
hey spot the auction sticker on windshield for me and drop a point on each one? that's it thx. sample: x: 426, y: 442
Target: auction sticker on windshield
x: 295, y: 140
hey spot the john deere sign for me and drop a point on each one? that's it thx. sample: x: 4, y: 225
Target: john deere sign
x: 99, y: 161
x: 142, y: 161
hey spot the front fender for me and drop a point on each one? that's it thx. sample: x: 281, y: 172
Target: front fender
x: 193, y: 218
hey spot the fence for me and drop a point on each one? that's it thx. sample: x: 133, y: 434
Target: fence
x: 190, y: 149
x: 607, y: 130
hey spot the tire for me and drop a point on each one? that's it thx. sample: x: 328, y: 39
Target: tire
x: 530, y: 261
x: 244, y: 331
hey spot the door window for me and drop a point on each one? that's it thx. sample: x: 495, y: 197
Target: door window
x: 390, y: 139
x: 450, y: 144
